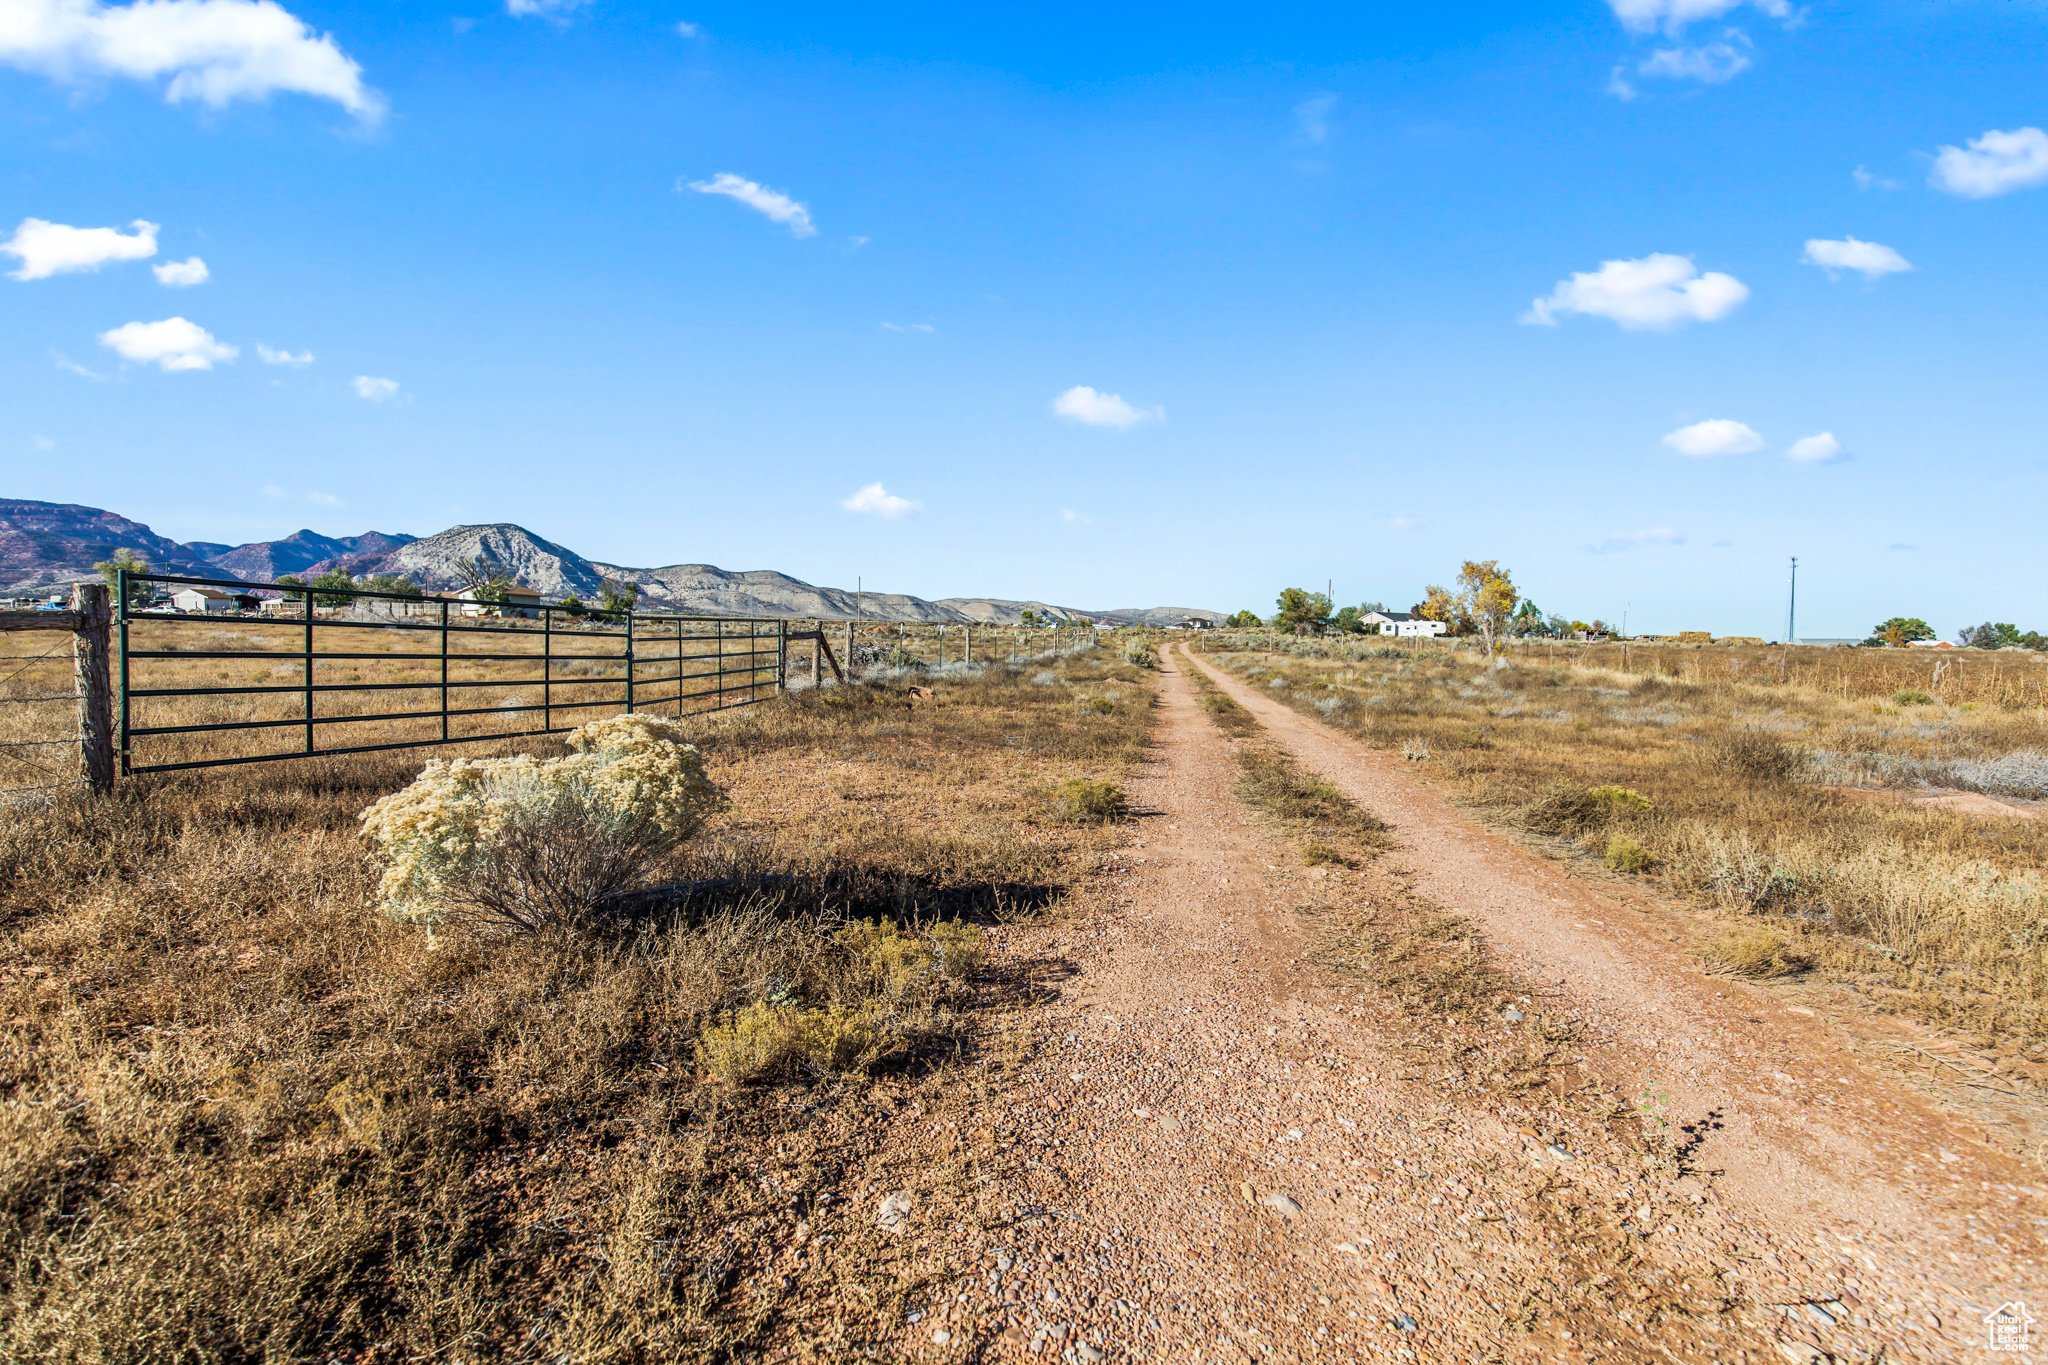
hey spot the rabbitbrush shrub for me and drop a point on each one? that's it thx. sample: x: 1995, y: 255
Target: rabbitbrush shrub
x: 1083, y: 801
x: 529, y: 843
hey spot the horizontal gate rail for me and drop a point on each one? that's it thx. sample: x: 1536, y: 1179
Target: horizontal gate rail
x: 568, y: 682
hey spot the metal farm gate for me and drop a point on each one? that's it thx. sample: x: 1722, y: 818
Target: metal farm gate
x: 227, y: 676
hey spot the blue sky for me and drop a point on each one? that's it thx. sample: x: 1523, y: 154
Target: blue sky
x: 1143, y: 307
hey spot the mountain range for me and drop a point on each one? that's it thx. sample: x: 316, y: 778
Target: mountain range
x: 45, y: 544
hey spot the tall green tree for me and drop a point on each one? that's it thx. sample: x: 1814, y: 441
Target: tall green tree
x: 617, y: 595
x: 1900, y: 631
x: 1244, y: 620
x: 1303, y: 612
x: 124, y: 558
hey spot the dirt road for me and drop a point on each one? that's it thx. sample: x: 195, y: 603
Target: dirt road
x: 1215, y: 1151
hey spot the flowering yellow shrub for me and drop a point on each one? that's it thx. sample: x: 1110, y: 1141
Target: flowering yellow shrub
x: 546, y: 836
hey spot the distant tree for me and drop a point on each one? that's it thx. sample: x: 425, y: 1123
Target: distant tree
x: 1558, y: 626
x: 1990, y: 635
x: 291, y: 580
x: 1438, y: 604
x: 574, y: 605
x: 1528, y: 619
x: 332, y: 579
x: 395, y: 584
x: 1028, y: 617
x: 482, y: 576
x: 1348, y: 621
x: 1303, y: 612
x: 1368, y: 608
x: 1244, y: 620
x: 1900, y: 631
x: 617, y: 595
x: 124, y: 558
x: 1488, y: 598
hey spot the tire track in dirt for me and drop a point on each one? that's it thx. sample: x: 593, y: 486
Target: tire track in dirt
x: 1209, y: 1150
x: 1812, y: 1142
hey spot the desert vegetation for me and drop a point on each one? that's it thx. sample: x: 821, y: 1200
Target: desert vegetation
x: 1772, y: 788
x: 277, y: 1090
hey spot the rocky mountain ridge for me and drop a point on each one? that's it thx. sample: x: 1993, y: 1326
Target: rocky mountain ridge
x: 43, y: 545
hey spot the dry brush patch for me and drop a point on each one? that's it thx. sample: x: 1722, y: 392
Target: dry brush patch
x: 1711, y: 776
x: 243, y: 1115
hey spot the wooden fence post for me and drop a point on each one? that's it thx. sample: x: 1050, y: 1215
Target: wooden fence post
x: 92, y: 665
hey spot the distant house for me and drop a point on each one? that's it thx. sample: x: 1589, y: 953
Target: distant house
x: 204, y: 601
x: 1403, y: 624
x: 1193, y: 623
x: 518, y: 601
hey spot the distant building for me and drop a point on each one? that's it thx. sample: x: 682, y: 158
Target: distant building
x: 1402, y: 624
x: 1193, y: 623
x: 204, y: 601
x: 518, y: 601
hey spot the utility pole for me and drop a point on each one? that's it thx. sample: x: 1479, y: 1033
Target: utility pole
x: 1792, y: 602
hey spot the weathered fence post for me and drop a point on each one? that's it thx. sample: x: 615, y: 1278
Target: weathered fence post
x: 782, y: 656
x: 92, y: 665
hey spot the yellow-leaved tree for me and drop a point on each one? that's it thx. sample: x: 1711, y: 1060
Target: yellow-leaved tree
x: 1488, y: 598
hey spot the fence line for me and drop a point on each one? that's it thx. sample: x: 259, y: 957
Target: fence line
x: 244, y: 676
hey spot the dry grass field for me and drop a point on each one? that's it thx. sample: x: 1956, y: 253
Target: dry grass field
x: 1782, y: 792
x: 244, y: 1117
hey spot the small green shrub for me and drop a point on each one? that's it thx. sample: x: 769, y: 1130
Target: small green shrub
x: 1100, y: 706
x: 1626, y: 855
x: 895, y: 964
x: 1318, y: 855
x: 765, y: 1040
x: 1912, y: 696
x: 959, y: 948
x: 1084, y: 801
x: 1621, y: 798
x: 1140, y: 654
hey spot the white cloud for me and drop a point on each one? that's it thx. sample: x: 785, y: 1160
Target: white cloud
x: 1084, y: 404
x: 214, y: 51
x: 690, y: 30
x: 545, y: 9
x: 270, y: 357
x: 1711, y: 64
x: 173, y: 344
x: 1866, y: 181
x: 1312, y: 117
x: 881, y: 502
x: 70, y: 366
x: 909, y: 327
x: 1672, y: 16
x: 375, y: 390
x: 1996, y: 163
x: 324, y: 499
x: 1815, y: 449
x: 181, y: 274
x: 1073, y: 518
x: 1653, y: 293
x: 1849, y: 254
x: 273, y: 492
x: 777, y: 206
x: 1715, y: 436
x: 43, y: 443
x: 45, y: 249
x: 1408, y: 523
x: 1618, y: 544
